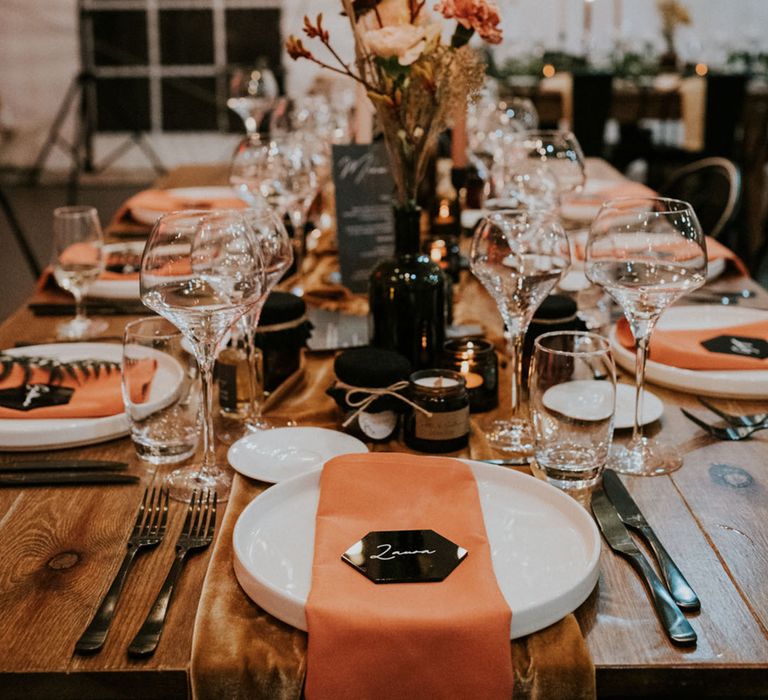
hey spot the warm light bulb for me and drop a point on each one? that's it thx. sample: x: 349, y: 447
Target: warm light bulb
x: 701, y: 69
x: 548, y: 70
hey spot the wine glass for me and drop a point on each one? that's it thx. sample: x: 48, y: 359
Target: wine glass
x: 277, y: 252
x: 518, y: 255
x: 282, y: 172
x: 646, y: 253
x: 77, y: 262
x: 202, y: 270
x: 252, y: 93
x: 559, y: 152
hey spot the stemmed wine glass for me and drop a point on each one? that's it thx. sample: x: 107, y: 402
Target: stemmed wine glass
x: 646, y: 253
x: 77, y: 262
x: 559, y: 152
x: 518, y: 255
x: 282, y: 172
x: 202, y: 270
x: 252, y: 93
x: 277, y: 252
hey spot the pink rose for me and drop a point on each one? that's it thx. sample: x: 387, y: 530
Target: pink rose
x: 480, y: 15
x: 405, y: 41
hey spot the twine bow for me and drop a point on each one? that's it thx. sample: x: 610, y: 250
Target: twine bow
x: 370, y: 394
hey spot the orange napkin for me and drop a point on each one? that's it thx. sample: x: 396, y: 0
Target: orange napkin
x: 626, y: 188
x: 683, y: 348
x: 164, y: 201
x: 409, y: 640
x: 94, y: 396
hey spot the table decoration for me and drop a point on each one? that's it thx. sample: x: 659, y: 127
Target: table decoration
x: 415, y: 81
x: 475, y: 359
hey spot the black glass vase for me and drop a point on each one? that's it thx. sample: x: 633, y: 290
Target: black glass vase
x: 407, y: 297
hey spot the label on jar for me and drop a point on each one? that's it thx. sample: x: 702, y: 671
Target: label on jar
x: 377, y: 426
x: 442, y: 426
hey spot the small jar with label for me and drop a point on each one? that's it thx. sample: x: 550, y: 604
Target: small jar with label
x: 439, y: 421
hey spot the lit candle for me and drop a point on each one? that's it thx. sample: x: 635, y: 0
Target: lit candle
x: 437, y: 251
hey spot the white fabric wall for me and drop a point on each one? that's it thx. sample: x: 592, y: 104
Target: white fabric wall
x: 39, y: 56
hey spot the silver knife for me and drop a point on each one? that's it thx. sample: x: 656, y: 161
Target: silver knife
x: 630, y: 514
x: 41, y: 478
x: 29, y: 465
x: 511, y: 462
x: 677, y: 627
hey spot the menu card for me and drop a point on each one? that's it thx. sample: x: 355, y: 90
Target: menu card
x: 364, y: 221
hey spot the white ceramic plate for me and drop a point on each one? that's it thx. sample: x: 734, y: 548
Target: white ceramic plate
x: 282, y: 453
x: 29, y: 435
x: 49, y: 433
x: 545, y: 547
x: 736, y: 384
x: 190, y: 195
x: 117, y: 288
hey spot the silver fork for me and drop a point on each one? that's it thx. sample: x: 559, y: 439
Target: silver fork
x: 725, y: 432
x: 197, y: 533
x: 148, y: 531
x: 750, y: 420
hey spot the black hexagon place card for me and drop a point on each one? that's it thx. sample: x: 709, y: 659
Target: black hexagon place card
x: 404, y: 556
x: 738, y: 345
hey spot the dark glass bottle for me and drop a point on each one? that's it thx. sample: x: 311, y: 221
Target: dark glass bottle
x: 407, y: 297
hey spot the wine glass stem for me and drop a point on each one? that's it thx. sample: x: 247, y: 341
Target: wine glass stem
x: 515, y: 352
x: 205, y: 361
x: 249, y: 323
x: 79, y: 306
x: 641, y: 353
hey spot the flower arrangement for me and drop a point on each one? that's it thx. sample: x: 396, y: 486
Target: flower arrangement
x: 673, y: 14
x: 412, y: 76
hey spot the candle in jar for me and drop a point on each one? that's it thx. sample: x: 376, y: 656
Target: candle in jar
x: 436, y: 382
x: 473, y: 379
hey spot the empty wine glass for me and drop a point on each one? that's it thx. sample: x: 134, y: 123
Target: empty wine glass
x: 77, y: 262
x: 252, y: 93
x: 558, y: 151
x: 277, y: 252
x: 202, y: 270
x: 519, y: 256
x: 646, y: 253
x: 282, y: 172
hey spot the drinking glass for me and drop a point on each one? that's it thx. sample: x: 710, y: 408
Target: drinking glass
x: 646, y: 253
x: 202, y: 271
x: 77, y: 261
x: 165, y: 415
x: 252, y: 93
x: 519, y: 256
x: 572, y: 399
x: 277, y: 252
x: 558, y: 151
x: 282, y: 172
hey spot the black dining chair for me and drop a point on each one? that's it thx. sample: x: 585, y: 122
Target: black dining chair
x: 712, y: 186
x: 592, y: 94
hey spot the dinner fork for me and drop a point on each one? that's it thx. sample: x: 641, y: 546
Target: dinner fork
x: 197, y: 533
x: 148, y: 531
x: 749, y: 420
x: 726, y: 432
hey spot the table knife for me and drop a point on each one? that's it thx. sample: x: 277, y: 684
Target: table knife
x: 511, y: 462
x: 630, y: 514
x: 677, y: 627
x: 41, y: 478
x: 29, y: 465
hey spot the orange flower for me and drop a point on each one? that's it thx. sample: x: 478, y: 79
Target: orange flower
x: 480, y: 15
x: 296, y: 49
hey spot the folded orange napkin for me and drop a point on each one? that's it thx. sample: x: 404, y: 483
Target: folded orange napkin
x: 95, y: 394
x: 164, y: 201
x: 684, y: 349
x: 404, y: 640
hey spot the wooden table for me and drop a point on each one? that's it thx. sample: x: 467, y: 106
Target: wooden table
x: 60, y: 548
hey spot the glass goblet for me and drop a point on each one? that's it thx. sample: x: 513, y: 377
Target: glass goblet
x: 77, y: 262
x: 519, y: 256
x: 202, y: 270
x: 252, y: 93
x: 646, y: 253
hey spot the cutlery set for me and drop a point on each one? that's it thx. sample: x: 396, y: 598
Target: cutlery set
x: 149, y: 531
x: 736, y: 427
x: 614, y: 509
